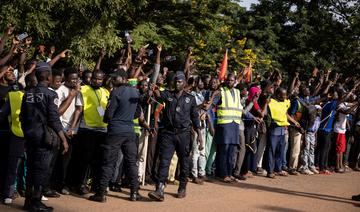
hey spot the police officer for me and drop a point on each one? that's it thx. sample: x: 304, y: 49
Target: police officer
x: 180, y: 116
x: 119, y: 115
x: 40, y: 123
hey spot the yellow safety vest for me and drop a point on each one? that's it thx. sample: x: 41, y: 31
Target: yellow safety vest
x: 15, y: 100
x: 230, y: 109
x: 137, y: 127
x: 278, y: 112
x: 92, y: 100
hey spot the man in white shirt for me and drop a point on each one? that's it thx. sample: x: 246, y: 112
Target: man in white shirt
x: 343, y: 111
x: 68, y: 93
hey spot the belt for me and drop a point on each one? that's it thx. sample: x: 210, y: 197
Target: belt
x: 177, y: 130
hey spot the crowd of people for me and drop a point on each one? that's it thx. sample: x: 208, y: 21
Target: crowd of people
x: 70, y: 129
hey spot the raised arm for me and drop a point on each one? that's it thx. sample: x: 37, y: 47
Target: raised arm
x: 101, y: 57
x: 8, y: 32
x: 188, y: 63
x: 59, y: 56
x: 15, y: 44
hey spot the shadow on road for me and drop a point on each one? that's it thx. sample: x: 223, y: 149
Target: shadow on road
x: 277, y: 208
x: 288, y: 192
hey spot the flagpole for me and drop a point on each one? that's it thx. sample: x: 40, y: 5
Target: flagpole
x: 146, y: 142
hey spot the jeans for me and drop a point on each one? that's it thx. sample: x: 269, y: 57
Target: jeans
x: 286, y: 147
x: 308, y: 152
x: 275, y: 153
x: 198, y: 157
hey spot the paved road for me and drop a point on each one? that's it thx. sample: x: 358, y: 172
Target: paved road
x: 294, y: 194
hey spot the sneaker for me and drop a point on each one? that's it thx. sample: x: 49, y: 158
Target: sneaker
x: 314, y: 170
x: 43, y: 198
x: 307, y: 172
x: 8, y: 201
x: 260, y: 171
x: 272, y: 176
x: 65, y: 191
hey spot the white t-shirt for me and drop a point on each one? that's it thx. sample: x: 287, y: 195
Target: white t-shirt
x: 340, y: 123
x: 66, y: 118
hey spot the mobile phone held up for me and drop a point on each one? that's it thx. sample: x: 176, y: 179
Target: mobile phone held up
x: 22, y: 36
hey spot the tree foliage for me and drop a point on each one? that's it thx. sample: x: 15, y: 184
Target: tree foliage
x: 287, y: 35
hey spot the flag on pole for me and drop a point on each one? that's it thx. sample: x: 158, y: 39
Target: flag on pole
x: 248, y: 73
x: 223, y: 68
x: 158, y: 110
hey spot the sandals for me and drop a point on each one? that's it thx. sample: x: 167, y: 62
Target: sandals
x: 325, y: 172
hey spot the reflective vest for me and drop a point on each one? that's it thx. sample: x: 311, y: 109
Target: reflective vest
x: 137, y: 127
x: 230, y: 109
x: 278, y: 112
x: 93, y: 100
x: 15, y: 100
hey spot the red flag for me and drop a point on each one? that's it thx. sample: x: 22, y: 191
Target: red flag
x: 158, y: 109
x: 248, y: 73
x: 223, y: 68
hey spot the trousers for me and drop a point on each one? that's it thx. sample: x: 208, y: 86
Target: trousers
x: 110, y: 152
x: 275, y: 153
x: 169, y: 143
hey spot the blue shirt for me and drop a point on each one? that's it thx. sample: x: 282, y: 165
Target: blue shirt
x: 328, y: 116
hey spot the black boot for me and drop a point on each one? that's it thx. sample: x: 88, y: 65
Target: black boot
x: 98, y: 197
x: 158, y: 194
x: 37, y: 206
x: 181, y: 191
x: 27, y: 202
x: 135, y: 196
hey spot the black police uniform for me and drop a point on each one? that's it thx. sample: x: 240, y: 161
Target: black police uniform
x: 36, y: 101
x: 119, y: 115
x: 179, y: 116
